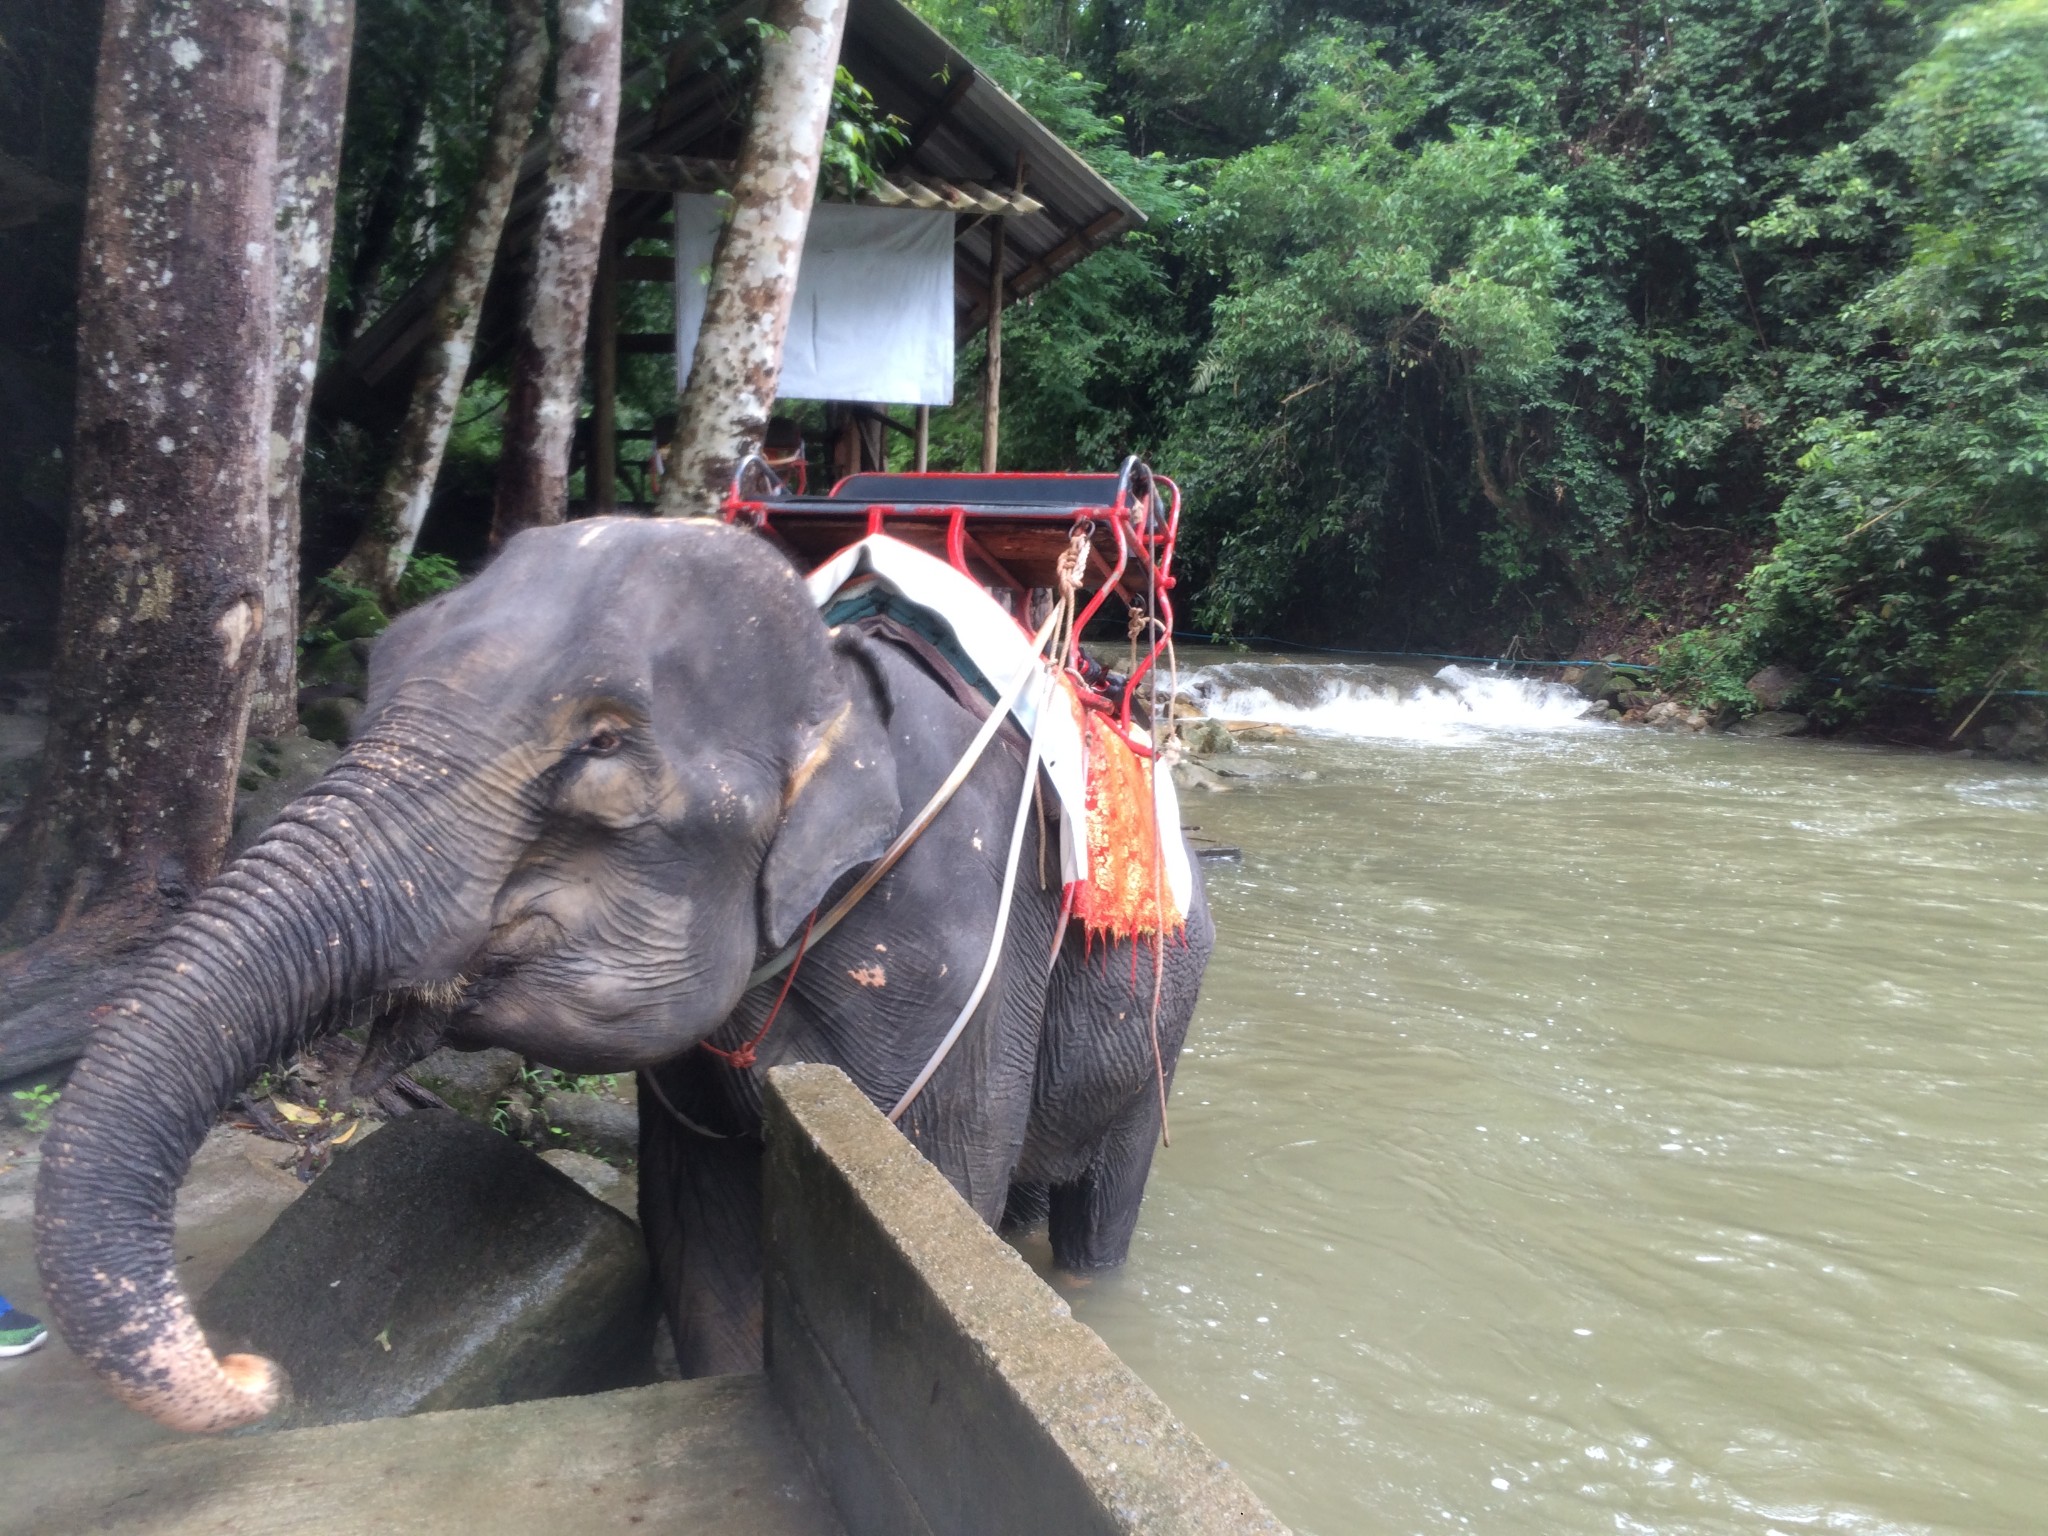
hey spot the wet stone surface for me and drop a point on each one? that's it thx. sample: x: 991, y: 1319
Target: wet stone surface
x: 439, y: 1265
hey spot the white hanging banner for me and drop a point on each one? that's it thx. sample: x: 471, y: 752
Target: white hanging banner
x: 873, y: 319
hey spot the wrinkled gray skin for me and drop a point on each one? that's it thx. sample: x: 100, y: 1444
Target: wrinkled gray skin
x: 601, y: 782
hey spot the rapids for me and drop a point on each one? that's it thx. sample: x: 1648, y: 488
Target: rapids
x: 1591, y: 1129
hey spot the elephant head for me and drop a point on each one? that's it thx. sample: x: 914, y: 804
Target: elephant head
x: 592, y: 787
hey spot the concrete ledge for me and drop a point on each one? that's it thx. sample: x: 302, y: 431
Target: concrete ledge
x: 939, y: 1385
x: 710, y: 1457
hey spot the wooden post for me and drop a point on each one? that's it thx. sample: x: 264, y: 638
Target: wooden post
x: 992, y: 387
x: 924, y: 437
x: 992, y: 380
x: 601, y: 484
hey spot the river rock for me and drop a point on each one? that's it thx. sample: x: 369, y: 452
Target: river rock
x: 1774, y: 685
x: 1772, y: 722
x: 275, y: 772
x: 1258, y: 733
x: 1596, y: 681
x: 1208, y: 737
x: 1191, y: 775
x: 2023, y: 736
x: 471, y: 1082
x: 590, y: 1123
x: 1600, y: 710
x: 438, y: 1265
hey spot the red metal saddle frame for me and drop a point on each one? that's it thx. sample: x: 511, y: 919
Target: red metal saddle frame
x: 1005, y: 531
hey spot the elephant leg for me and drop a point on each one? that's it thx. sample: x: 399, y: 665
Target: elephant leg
x: 700, y: 1208
x: 1091, y: 1219
x: 1028, y: 1206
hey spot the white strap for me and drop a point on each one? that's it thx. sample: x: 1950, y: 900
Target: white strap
x: 995, y: 943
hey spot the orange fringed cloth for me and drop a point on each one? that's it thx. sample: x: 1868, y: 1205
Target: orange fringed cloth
x: 1126, y: 887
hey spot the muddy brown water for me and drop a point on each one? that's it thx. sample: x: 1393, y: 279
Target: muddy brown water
x: 1589, y: 1129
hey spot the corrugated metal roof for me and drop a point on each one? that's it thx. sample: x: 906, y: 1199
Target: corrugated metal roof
x: 963, y: 127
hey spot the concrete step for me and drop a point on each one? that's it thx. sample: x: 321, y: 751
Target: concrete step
x: 711, y: 1457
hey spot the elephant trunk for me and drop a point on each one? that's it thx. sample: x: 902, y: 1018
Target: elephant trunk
x: 335, y: 898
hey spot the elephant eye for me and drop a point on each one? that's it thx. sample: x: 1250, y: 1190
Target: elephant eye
x: 603, y: 742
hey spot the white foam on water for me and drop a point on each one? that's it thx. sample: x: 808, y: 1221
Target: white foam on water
x: 1386, y: 703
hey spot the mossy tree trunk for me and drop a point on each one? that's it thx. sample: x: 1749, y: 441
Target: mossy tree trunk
x: 162, y: 601
x: 380, y: 552
x: 310, y: 120
x: 547, y: 361
x: 733, y: 375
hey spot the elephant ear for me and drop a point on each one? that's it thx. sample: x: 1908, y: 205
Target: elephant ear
x: 840, y: 806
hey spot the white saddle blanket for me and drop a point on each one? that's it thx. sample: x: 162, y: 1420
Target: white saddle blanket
x: 1000, y: 647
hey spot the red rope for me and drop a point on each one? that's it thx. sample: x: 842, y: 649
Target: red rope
x: 743, y: 1058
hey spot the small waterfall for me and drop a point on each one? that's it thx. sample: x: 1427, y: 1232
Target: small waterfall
x: 1369, y: 700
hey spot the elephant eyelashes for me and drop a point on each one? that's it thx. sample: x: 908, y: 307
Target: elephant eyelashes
x: 603, y: 743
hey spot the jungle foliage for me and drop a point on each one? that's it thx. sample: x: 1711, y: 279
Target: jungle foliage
x: 1460, y: 319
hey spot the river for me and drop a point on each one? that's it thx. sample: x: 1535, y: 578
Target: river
x: 1592, y: 1129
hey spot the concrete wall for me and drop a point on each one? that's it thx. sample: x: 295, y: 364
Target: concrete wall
x: 938, y: 1385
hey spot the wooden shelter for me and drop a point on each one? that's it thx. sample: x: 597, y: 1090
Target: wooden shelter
x: 1026, y: 207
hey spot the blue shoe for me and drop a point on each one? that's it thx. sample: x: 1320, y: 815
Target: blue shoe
x: 20, y: 1333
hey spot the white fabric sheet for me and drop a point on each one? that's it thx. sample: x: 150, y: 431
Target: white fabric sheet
x: 998, y: 645
x: 873, y: 319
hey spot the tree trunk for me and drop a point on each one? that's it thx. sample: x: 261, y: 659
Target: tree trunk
x: 308, y: 170
x: 380, y: 224
x: 547, y: 361
x: 163, y: 570
x: 385, y: 544
x: 724, y: 409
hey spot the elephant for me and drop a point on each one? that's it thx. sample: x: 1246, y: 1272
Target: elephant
x: 590, y: 790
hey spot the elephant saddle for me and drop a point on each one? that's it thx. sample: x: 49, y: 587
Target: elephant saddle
x: 1124, y: 862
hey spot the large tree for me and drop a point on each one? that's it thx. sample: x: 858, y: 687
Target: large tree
x: 308, y: 171
x: 547, y: 361
x: 162, y: 599
x: 381, y: 551
x: 738, y: 361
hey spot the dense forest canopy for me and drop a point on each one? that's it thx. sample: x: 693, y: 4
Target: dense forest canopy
x: 1709, y: 333
x: 1720, y: 325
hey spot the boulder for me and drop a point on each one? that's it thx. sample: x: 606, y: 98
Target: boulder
x: 2023, y: 737
x: 438, y: 1265
x: 1668, y: 715
x: 1207, y: 737
x: 1259, y: 733
x: 1189, y: 775
x: 589, y: 1122
x: 331, y: 719
x: 275, y: 772
x: 1773, y: 686
x: 336, y: 666
x: 594, y: 1174
x: 1600, y: 710
x: 1772, y: 722
x: 1597, y: 681
x: 360, y: 622
x: 471, y: 1082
